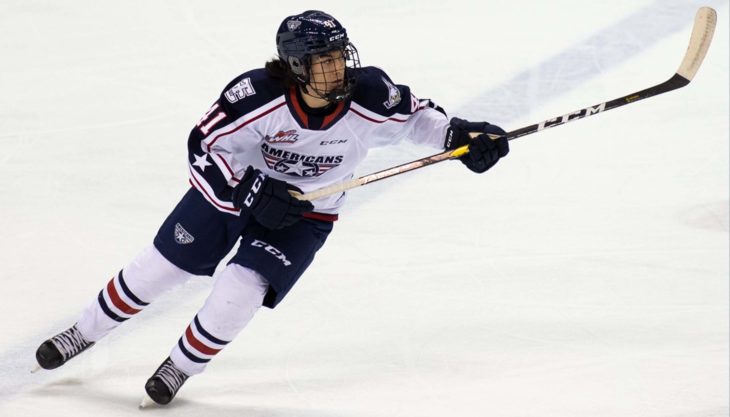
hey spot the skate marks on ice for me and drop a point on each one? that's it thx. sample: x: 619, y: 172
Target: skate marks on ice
x: 578, y: 64
x: 96, y: 364
x: 87, y: 396
x: 713, y: 216
x: 82, y: 391
x: 99, y: 394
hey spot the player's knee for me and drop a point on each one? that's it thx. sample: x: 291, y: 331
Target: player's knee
x: 149, y: 274
x: 241, y: 286
x: 237, y: 294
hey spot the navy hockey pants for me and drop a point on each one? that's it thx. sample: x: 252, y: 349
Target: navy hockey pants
x: 195, y: 237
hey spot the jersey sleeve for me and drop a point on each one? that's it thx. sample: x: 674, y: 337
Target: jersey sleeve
x: 212, y: 170
x: 399, y: 113
x: 426, y: 124
x: 212, y: 167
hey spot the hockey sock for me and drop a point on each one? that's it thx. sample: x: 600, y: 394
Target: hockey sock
x: 236, y: 296
x: 129, y: 292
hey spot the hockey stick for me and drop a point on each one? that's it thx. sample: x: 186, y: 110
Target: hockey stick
x: 702, y: 31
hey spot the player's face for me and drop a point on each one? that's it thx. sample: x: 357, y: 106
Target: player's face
x: 327, y: 72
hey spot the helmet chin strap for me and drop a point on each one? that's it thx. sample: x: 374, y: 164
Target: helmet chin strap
x: 334, y: 96
x: 308, y: 92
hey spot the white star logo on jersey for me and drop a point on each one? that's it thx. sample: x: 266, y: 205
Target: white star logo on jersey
x: 201, y: 162
x: 281, y: 168
x: 299, y: 169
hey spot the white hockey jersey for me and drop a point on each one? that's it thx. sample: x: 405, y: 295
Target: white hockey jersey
x: 259, y: 122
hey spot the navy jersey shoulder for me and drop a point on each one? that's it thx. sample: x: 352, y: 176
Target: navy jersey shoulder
x: 375, y: 91
x: 251, y: 90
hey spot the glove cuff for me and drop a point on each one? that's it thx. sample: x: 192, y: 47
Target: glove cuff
x: 451, y: 139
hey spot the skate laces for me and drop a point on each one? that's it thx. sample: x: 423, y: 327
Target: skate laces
x: 172, y: 377
x: 70, y: 342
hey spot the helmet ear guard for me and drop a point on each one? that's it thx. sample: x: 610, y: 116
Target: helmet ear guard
x: 298, y: 68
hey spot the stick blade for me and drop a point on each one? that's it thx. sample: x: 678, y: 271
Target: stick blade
x: 699, y: 42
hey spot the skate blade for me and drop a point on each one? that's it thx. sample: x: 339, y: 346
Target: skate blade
x: 35, y: 369
x: 146, y: 402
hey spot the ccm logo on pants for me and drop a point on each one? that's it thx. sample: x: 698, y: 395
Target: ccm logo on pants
x: 272, y: 250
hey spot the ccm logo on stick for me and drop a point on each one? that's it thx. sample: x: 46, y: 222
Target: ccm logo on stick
x: 272, y: 250
x: 571, y: 116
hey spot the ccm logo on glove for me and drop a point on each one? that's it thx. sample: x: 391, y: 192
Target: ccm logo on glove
x: 268, y: 200
x: 255, y: 187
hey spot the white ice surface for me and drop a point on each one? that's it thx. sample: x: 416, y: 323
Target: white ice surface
x: 586, y: 275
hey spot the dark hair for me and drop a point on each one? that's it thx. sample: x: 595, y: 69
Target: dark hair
x: 279, y: 70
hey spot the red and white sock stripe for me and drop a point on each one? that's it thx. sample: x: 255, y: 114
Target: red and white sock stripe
x: 199, y: 345
x: 117, y: 301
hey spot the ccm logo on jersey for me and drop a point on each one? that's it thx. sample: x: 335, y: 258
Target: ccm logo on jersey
x: 242, y: 89
x: 332, y: 142
x: 290, y: 136
x: 272, y: 250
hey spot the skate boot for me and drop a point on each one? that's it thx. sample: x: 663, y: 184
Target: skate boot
x: 165, y: 382
x: 57, y: 350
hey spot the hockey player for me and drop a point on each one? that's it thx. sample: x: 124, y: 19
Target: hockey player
x: 303, y: 122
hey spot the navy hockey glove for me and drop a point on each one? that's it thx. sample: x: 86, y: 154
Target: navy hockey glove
x: 268, y: 200
x: 483, y: 152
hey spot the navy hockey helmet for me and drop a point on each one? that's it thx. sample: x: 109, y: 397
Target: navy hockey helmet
x: 310, y: 33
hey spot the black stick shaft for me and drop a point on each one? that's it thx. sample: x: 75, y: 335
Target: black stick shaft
x: 677, y: 81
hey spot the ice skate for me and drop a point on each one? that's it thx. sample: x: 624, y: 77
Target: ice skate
x: 57, y: 350
x: 164, y: 384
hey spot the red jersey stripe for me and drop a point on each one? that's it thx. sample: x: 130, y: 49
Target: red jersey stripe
x: 195, y: 183
x: 210, y: 144
x: 302, y: 115
x: 329, y: 118
x: 374, y: 120
x: 321, y: 216
x: 228, y: 167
